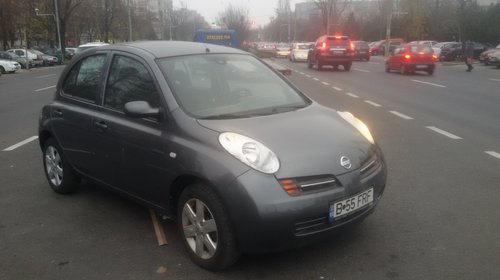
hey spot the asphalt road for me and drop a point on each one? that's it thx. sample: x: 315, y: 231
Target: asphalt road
x: 439, y: 218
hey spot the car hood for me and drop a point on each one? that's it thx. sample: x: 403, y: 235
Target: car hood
x: 309, y: 141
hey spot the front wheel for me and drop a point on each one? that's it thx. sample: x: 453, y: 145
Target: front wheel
x: 206, y: 229
x: 60, y: 175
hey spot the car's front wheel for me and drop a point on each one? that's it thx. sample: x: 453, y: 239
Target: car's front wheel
x: 206, y: 229
x: 60, y: 175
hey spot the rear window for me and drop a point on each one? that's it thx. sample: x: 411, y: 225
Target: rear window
x: 420, y: 49
x: 302, y: 47
x: 338, y: 41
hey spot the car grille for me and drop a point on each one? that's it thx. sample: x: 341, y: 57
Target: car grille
x: 314, y: 183
x: 370, y: 166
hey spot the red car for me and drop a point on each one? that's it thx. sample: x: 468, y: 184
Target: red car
x: 410, y: 58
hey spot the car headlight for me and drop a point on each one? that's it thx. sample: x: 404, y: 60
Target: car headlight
x: 359, y: 125
x: 250, y: 152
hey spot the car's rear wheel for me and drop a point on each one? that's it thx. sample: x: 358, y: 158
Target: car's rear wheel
x: 387, y: 68
x: 347, y: 67
x: 60, y: 175
x: 430, y: 71
x: 319, y: 65
x: 2, y: 70
x: 206, y: 229
x: 403, y: 70
x: 309, y: 63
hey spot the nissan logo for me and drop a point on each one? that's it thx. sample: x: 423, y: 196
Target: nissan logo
x: 345, y: 162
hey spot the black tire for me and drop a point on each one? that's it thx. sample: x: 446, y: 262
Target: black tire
x: 220, y: 234
x: 347, y: 67
x: 318, y: 64
x: 367, y: 58
x: 387, y: 68
x: 403, y: 70
x: 2, y: 70
x: 309, y: 63
x: 430, y: 71
x: 60, y: 174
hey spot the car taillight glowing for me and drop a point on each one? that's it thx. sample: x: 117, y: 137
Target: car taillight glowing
x: 323, y: 45
x: 434, y: 56
x: 407, y: 56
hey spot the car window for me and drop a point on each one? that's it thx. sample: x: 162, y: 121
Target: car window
x: 224, y: 85
x: 129, y: 80
x: 83, y: 79
x: 420, y: 49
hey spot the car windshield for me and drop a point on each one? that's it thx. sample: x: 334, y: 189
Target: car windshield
x: 228, y: 86
x: 303, y: 47
x: 419, y: 49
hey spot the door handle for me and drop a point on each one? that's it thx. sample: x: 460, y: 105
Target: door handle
x: 101, y: 124
x: 58, y: 113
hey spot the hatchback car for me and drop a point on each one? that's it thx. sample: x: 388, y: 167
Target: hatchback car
x: 361, y: 50
x: 9, y: 66
x: 411, y: 58
x: 299, y: 51
x: 214, y: 138
x: 331, y: 50
x: 14, y: 57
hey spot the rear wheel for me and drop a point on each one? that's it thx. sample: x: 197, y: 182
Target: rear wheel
x: 347, y: 67
x: 2, y: 70
x: 403, y: 70
x: 309, y: 63
x: 430, y: 71
x: 387, y: 68
x: 318, y: 64
x: 60, y: 175
x: 206, y: 229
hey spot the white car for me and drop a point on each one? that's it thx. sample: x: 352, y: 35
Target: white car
x: 35, y: 59
x: 299, y: 51
x: 89, y: 46
x: 7, y: 66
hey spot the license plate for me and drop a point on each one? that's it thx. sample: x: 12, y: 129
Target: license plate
x: 351, y: 204
x: 421, y: 67
x: 338, y: 52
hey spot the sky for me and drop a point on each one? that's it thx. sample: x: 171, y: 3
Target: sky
x: 259, y: 10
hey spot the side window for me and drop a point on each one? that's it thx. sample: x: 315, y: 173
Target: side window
x: 129, y: 80
x: 83, y: 79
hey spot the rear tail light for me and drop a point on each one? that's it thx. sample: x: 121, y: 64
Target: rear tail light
x: 434, y: 56
x: 323, y: 45
x: 407, y: 56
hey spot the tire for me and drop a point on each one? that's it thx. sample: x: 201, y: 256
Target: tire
x: 309, y: 64
x: 202, y: 220
x: 367, y: 58
x: 347, y: 67
x: 318, y: 64
x: 403, y: 70
x: 387, y: 68
x: 2, y: 70
x: 430, y: 71
x: 60, y: 175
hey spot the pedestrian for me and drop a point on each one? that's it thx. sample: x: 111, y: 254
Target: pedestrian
x: 469, y: 55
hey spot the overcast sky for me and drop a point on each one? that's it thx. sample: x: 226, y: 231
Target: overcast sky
x: 259, y: 10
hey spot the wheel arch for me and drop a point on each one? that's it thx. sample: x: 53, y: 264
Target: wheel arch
x: 43, y: 136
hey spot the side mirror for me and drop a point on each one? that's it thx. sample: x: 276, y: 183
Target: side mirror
x: 141, y: 109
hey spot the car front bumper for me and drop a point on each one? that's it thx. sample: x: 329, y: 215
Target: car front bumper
x: 265, y: 218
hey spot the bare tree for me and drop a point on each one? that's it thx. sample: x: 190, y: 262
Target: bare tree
x: 237, y: 19
x: 331, y: 13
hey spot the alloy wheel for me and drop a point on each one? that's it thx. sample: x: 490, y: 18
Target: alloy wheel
x: 200, y: 228
x: 53, y: 165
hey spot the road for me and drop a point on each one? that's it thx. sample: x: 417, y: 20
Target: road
x: 439, y: 218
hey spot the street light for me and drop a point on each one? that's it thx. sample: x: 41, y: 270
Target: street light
x: 56, y: 18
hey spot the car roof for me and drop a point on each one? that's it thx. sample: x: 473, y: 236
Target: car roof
x: 173, y: 48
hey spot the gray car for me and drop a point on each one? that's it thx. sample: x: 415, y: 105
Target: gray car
x: 214, y: 138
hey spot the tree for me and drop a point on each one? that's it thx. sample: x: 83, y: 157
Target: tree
x: 331, y: 13
x: 237, y: 19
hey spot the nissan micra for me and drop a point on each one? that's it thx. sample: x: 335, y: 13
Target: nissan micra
x: 214, y: 138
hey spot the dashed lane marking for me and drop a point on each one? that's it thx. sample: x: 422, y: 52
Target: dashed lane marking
x: 309, y: 76
x: 376, y: 63
x: 337, y: 88
x: 401, y: 115
x: 445, y: 133
x: 24, y: 142
x: 373, y: 103
x: 325, y: 83
x: 352, y: 95
x: 362, y: 70
x: 46, y: 88
x: 427, y: 83
x: 496, y: 80
x: 45, y: 76
x: 493, y: 154
x: 316, y: 79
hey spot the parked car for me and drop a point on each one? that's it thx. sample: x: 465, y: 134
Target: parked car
x: 69, y: 53
x: 378, y: 48
x: 483, y: 57
x: 9, y: 66
x: 455, y: 51
x: 331, y: 50
x: 494, y: 58
x: 440, y: 46
x: 14, y: 57
x: 208, y: 134
x: 48, y: 60
x: 299, y: 51
x: 361, y: 50
x: 430, y: 43
x: 411, y: 58
x: 282, y: 50
x: 32, y: 57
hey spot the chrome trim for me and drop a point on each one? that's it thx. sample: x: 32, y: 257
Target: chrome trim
x: 367, y: 166
x: 318, y: 183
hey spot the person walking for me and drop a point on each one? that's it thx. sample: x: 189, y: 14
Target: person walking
x: 469, y: 55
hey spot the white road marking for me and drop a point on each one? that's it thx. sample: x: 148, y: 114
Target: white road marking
x: 362, y: 70
x: 496, y: 80
x: 427, y: 83
x: 309, y: 76
x: 40, y: 89
x: 445, y: 133
x: 301, y: 73
x: 316, y: 79
x: 352, y: 95
x: 401, y: 115
x: 325, y: 83
x: 24, y: 142
x: 493, y: 154
x: 337, y: 88
x: 373, y: 62
x: 45, y: 76
x: 373, y: 103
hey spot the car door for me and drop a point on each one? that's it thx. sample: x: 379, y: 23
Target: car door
x: 396, y: 58
x: 133, y: 148
x: 73, y: 110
